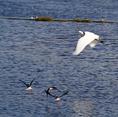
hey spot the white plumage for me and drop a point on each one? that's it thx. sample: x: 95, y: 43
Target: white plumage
x: 88, y: 38
x: 29, y: 88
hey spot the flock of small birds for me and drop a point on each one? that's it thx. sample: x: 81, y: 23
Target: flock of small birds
x: 48, y: 91
x: 87, y: 38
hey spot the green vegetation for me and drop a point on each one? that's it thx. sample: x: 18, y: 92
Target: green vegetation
x: 50, y: 19
x: 82, y: 20
x: 43, y: 19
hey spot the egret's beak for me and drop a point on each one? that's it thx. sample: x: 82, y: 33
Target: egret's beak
x: 101, y: 41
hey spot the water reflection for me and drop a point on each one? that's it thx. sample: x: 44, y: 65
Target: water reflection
x: 82, y: 108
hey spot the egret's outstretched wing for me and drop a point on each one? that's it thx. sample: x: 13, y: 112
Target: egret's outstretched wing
x: 81, y: 44
x: 93, y: 43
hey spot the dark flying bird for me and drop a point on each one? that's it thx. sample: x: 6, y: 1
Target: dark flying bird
x: 50, y: 89
x: 28, y: 85
x: 58, y: 98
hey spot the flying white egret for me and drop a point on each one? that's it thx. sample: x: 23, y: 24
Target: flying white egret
x: 87, y: 38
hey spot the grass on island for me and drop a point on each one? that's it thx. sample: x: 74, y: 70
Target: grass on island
x: 43, y: 19
x: 51, y: 19
x: 61, y: 20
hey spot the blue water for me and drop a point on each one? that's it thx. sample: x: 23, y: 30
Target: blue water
x: 43, y: 50
x: 61, y: 8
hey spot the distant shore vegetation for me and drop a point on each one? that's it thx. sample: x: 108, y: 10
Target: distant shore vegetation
x: 51, y: 19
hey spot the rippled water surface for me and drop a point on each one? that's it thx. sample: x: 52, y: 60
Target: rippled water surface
x: 43, y: 50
